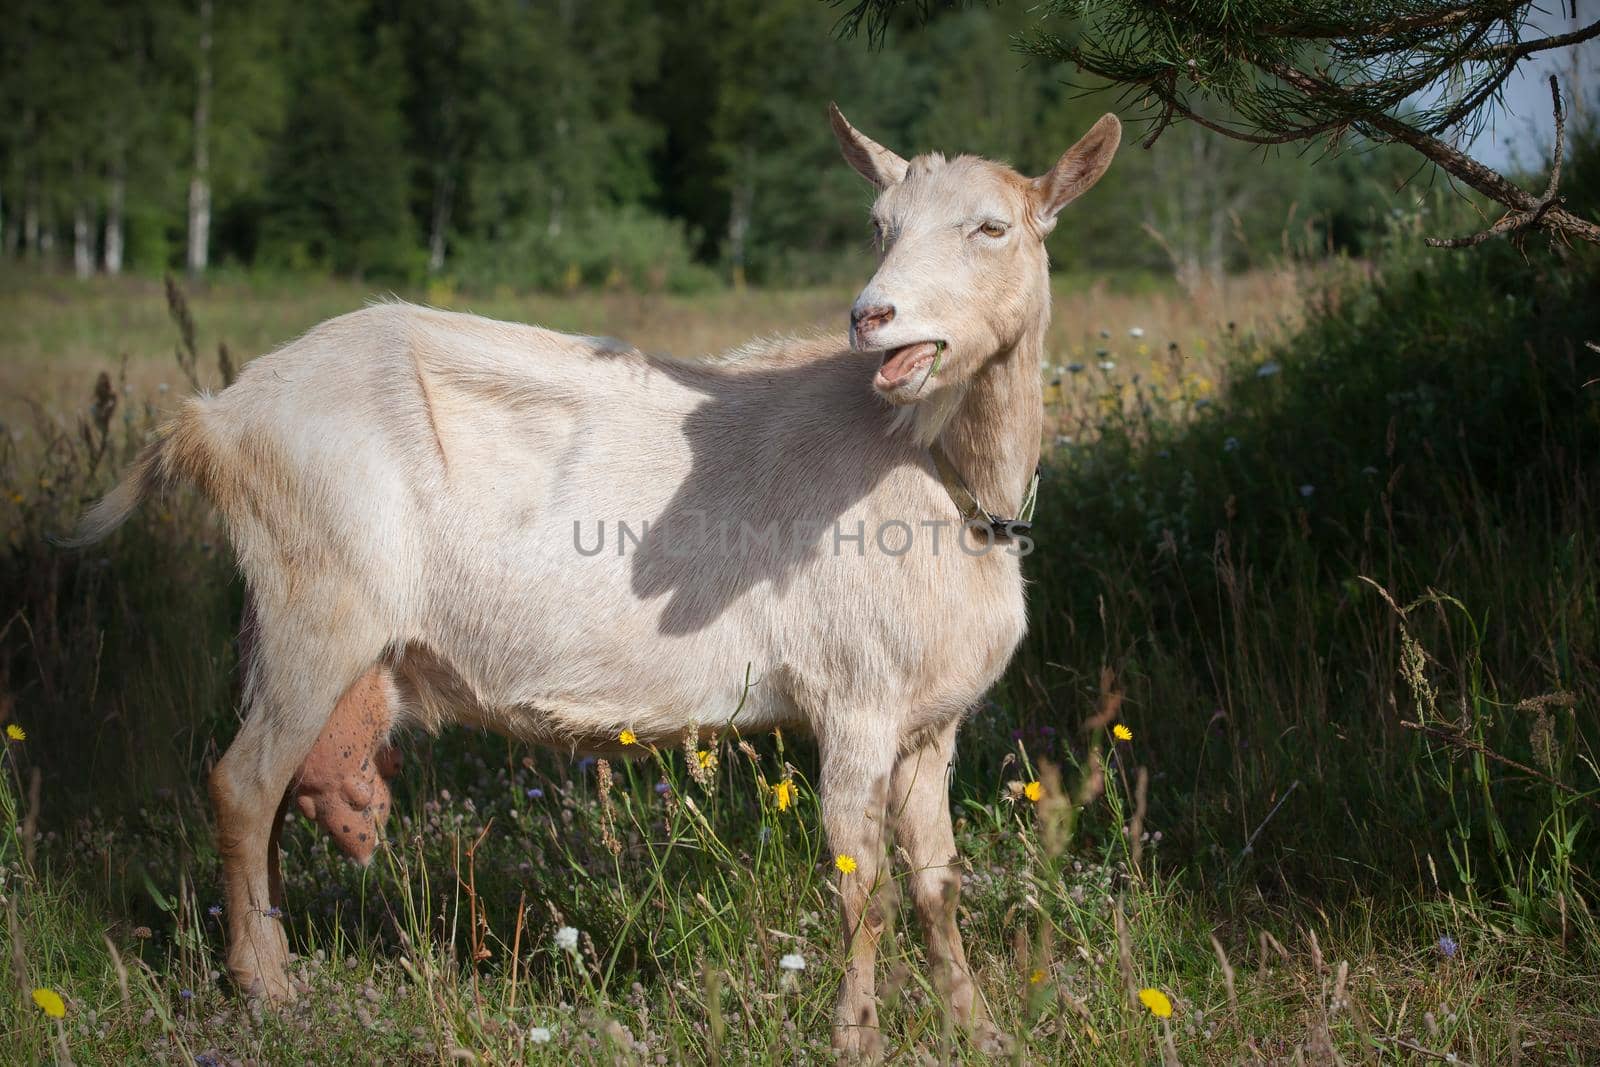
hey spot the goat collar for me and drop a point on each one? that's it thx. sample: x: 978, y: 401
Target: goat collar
x: 966, y: 501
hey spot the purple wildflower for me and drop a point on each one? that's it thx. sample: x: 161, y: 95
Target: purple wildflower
x: 1448, y: 947
x: 535, y: 793
x: 274, y: 913
x: 663, y: 788
x: 214, y: 910
x: 186, y: 994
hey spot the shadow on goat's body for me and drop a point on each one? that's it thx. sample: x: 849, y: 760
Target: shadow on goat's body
x: 758, y: 506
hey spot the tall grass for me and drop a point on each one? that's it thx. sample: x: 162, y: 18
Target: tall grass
x: 1369, y: 570
x: 1340, y: 587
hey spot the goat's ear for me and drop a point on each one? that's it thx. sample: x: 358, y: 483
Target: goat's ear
x: 871, y: 160
x: 1076, y: 171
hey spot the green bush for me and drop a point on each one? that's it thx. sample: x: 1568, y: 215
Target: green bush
x: 1385, y: 520
x: 624, y: 247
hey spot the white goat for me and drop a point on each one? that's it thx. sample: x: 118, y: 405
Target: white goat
x: 416, y: 493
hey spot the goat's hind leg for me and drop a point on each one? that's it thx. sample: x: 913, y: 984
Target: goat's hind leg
x: 297, y: 672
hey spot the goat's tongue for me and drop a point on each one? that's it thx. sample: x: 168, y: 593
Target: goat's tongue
x: 900, y: 362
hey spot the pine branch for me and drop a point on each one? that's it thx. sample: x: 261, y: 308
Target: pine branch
x: 1486, y: 181
x: 1293, y: 70
x: 1545, y: 212
x: 1543, y: 44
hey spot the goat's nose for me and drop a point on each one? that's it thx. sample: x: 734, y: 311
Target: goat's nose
x: 867, y: 319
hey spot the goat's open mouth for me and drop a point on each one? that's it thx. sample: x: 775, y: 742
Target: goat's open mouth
x: 900, y: 364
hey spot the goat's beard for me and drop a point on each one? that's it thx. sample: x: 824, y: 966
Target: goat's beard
x: 924, y: 418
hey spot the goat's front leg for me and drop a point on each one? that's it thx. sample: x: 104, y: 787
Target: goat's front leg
x: 856, y: 766
x: 919, y: 810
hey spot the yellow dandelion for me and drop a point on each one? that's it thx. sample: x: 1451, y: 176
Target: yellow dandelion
x: 1157, y: 1002
x: 846, y: 864
x: 706, y: 758
x: 785, y: 794
x: 50, y: 1003
x: 15, y: 732
x: 1121, y: 732
x: 1036, y: 977
x: 1033, y: 791
x: 628, y: 737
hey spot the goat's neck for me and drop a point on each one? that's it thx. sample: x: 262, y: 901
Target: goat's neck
x: 993, y: 436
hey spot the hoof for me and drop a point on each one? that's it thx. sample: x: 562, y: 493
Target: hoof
x: 860, y: 1042
x: 266, y: 989
x: 989, y: 1039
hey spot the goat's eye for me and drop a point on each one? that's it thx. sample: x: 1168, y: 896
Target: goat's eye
x: 877, y: 233
x: 993, y: 229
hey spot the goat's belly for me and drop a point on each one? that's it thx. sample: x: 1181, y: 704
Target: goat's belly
x: 588, y: 704
x: 566, y: 651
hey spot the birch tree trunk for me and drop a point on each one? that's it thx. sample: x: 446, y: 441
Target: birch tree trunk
x: 1215, y: 243
x: 739, y: 213
x: 558, y: 197
x: 200, y: 180
x: 439, y: 223
x: 31, y: 245
x: 112, y: 250
x: 82, y: 242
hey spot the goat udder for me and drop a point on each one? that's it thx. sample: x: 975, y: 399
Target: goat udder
x: 342, y: 783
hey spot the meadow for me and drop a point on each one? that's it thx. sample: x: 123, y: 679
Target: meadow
x: 1323, y: 544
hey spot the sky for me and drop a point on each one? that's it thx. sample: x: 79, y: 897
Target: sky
x: 1520, y: 132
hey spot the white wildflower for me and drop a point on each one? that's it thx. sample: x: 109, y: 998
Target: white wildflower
x: 793, y: 961
x: 567, y: 939
x: 1267, y: 369
x: 1136, y: 332
x: 539, y: 1035
x: 1108, y: 365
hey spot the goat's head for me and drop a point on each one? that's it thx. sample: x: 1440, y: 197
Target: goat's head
x: 964, y: 270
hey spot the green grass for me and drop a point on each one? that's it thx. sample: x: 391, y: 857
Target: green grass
x: 1310, y: 877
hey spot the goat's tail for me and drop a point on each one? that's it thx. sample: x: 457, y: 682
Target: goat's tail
x: 179, y: 453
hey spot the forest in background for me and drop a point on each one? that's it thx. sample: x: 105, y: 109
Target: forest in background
x: 554, y: 144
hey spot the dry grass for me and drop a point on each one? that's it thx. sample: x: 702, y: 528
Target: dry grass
x: 57, y: 334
